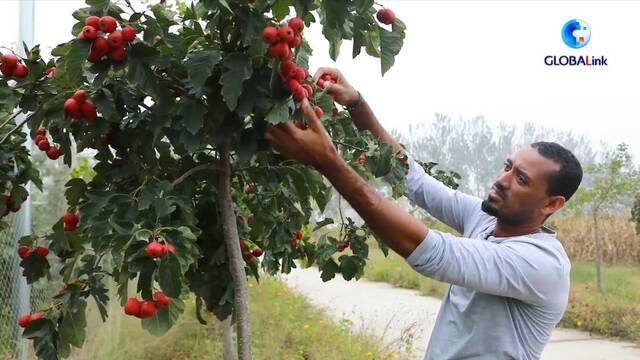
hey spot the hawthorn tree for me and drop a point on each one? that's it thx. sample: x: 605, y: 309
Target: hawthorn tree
x: 187, y: 199
x: 635, y: 213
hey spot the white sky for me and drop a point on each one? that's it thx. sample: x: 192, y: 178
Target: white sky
x: 468, y: 58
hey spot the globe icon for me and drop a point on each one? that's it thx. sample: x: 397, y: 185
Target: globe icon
x: 576, y: 33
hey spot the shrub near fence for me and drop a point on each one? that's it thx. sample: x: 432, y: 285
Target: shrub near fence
x: 620, y: 244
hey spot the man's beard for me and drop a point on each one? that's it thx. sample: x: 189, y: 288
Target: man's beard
x: 513, y: 218
x: 490, y: 209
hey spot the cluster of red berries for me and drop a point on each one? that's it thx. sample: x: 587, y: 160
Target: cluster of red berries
x: 9, y: 206
x: 24, y: 320
x: 78, y: 107
x: 156, y: 249
x: 43, y: 144
x: 112, y: 45
x: 147, y: 309
x: 386, y: 16
x: 24, y: 251
x: 294, y: 242
x: 10, y: 67
x: 248, y: 254
x: 70, y: 221
x: 343, y: 245
x: 283, y: 39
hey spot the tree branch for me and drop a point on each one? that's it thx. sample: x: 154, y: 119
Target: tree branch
x: 195, y: 170
x: 349, y: 145
x: 9, y: 119
x: 18, y: 127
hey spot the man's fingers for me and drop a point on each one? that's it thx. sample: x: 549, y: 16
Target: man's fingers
x: 311, y: 116
x: 325, y: 70
x: 274, y: 134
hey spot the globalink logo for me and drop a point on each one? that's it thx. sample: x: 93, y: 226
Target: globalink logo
x: 576, y: 34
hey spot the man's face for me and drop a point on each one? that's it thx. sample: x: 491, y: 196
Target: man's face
x: 520, y: 192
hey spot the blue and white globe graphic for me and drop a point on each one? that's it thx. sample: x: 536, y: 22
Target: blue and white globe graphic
x: 576, y: 33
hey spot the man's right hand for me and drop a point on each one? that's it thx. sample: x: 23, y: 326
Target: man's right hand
x: 344, y: 93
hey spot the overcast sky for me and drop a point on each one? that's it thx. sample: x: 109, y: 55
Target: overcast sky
x: 468, y: 58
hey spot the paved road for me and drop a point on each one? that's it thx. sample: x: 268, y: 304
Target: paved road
x: 403, y: 318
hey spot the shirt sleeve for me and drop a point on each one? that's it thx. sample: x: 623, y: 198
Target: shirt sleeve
x: 451, y: 207
x: 515, y: 269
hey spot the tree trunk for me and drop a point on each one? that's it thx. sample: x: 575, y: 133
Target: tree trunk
x: 227, y: 339
x: 596, y: 239
x: 236, y: 263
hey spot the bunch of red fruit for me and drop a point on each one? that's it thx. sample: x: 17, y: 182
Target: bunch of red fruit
x: 10, y: 67
x: 9, y: 206
x: 294, y: 242
x: 156, y: 249
x: 386, y: 16
x: 249, y: 254
x: 24, y: 251
x: 78, y: 107
x: 70, y: 221
x: 24, y: 320
x: 343, y: 245
x: 113, y: 45
x: 147, y: 309
x: 43, y: 144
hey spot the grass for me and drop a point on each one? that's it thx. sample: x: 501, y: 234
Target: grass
x: 615, y: 313
x: 284, y: 326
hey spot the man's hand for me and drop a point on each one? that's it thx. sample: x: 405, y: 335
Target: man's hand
x: 312, y: 146
x: 344, y: 93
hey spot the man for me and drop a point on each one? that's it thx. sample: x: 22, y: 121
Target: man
x: 509, y: 274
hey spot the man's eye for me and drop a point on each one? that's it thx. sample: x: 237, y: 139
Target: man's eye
x: 507, y: 166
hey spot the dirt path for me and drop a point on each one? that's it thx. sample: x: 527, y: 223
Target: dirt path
x: 403, y: 318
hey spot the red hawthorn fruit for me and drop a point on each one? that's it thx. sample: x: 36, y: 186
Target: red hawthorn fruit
x: 105, y: 139
x: 20, y: 71
x: 44, y: 145
x: 94, y: 56
x: 248, y: 189
x: 6, y: 70
x: 100, y: 46
x: 250, y: 217
x: 288, y: 69
x: 132, y: 307
x: 280, y: 51
x: 118, y: 54
x: 296, y: 24
x: 88, y: 33
x: 41, y: 251
x: 9, y: 60
x: 169, y: 248
x: 247, y: 255
x: 107, y: 24
x: 157, y: 38
x: 23, y: 250
x: 307, y: 89
x: 386, y: 16
x: 51, y: 72
x: 53, y: 153
x: 293, y: 85
x: 320, y: 83
x: 361, y: 159
x: 148, y: 309
x: 295, y: 42
x: 293, y: 243
x: 300, y: 75
x: 327, y: 77
x: 24, y: 320
x: 72, y: 108
x: 270, y: 35
x: 285, y: 34
x: 301, y: 126
x: 334, y: 112
x: 299, y: 234
x: 41, y: 131
x: 162, y: 300
x: 239, y: 218
x: 155, y: 249
x: 128, y: 34
x: 39, y: 138
x: 80, y: 96
x: 93, y: 21
x: 37, y: 316
x: 318, y: 111
x: 257, y: 252
x: 70, y: 228
x: 115, y: 40
x: 71, y: 219
x: 299, y: 94
x: 243, y: 244
x: 88, y: 110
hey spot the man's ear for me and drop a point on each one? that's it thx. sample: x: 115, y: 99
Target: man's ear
x: 554, y: 204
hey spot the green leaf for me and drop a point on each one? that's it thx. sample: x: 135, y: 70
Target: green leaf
x: 34, y: 267
x: 279, y: 113
x: 192, y: 114
x: 238, y: 69
x: 200, y: 65
x: 280, y: 9
x: 350, y: 266
x: 73, y: 61
x: 164, y: 318
x: 72, y: 328
x: 329, y: 270
x: 323, y: 223
x: 169, y: 275
x: 75, y: 190
x: 390, y: 44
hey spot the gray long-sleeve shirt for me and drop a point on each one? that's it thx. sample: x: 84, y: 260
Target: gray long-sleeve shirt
x: 506, y: 293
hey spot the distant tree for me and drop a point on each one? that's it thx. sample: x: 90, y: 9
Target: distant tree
x: 635, y: 213
x: 615, y: 179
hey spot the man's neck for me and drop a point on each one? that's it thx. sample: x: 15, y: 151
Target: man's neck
x: 507, y: 230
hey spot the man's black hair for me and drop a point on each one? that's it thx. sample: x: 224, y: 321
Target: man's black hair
x: 566, y: 180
